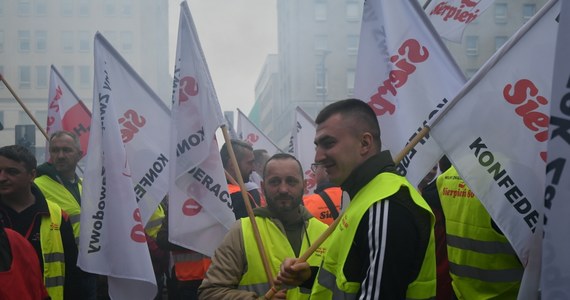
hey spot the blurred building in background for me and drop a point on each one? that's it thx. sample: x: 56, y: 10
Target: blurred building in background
x: 317, y: 51
x: 35, y: 34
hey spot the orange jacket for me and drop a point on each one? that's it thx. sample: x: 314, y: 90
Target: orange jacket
x: 316, y: 205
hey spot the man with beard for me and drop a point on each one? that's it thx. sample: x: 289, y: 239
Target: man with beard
x: 383, y: 244
x: 286, y: 228
x: 59, y: 183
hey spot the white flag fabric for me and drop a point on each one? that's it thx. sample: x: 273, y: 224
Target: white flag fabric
x: 406, y: 75
x: 231, y: 129
x: 304, y: 145
x: 555, y: 259
x: 248, y: 132
x: 113, y: 241
x: 200, y: 207
x: 450, y: 17
x: 496, y: 132
x: 66, y: 111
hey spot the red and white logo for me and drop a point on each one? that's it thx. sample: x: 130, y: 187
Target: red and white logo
x: 191, y: 207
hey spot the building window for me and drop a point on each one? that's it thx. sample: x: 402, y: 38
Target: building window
x: 67, y: 8
x: 41, y: 7
x: 320, y: 80
x: 24, y: 40
x: 110, y: 9
x: 83, y: 41
x: 472, y: 45
x: 83, y: 7
x: 528, y: 11
x: 25, y: 77
x: 67, y: 41
x: 1, y: 41
x: 500, y: 41
x: 41, y: 77
x: 127, y: 8
x: 84, y: 77
x: 353, y: 12
x: 24, y: 7
x: 127, y: 41
x: 501, y: 13
x: 352, y: 44
x: 321, y: 42
x: 350, y: 75
x: 320, y: 11
x: 67, y: 74
x: 41, y: 40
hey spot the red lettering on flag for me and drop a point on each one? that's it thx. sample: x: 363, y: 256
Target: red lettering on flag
x: 536, y: 121
x: 131, y: 122
x: 409, y: 53
x: 137, y: 232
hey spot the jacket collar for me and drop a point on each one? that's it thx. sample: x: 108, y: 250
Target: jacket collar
x: 365, y: 172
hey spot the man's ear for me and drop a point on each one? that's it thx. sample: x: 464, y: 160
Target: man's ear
x: 366, y: 143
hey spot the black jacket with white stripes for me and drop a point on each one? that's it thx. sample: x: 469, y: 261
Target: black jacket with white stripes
x: 391, y: 240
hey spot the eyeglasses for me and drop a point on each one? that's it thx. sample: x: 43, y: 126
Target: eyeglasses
x: 315, y: 166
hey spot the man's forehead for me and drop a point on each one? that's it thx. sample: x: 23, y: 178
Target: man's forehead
x: 62, y: 139
x: 280, y: 165
x: 7, y: 162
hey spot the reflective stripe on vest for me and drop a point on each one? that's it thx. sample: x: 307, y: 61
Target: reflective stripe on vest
x: 190, y: 265
x: 278, y: 248
x: 58, y: 194
x: 155, y: 222
x: 482, y: 262
x: 331, y: 281
x: 52, y: 252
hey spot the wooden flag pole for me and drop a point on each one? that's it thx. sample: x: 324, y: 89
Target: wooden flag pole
x: 317, y: 243
x: 24, y: 107
x: 262, y: 252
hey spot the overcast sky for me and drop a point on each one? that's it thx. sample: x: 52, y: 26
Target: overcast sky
x: 236, y: 36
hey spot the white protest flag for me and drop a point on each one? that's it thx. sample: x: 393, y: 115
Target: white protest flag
x: 304, y: 145
x: 496, y: 132
x: 66, y: 111
x: 450, y: 17
x: 113, y: 241
x: 231, y: 129
x: 248, y: 132
x: 555, y: 259
x: 405, y: 73
x: 200, y: 208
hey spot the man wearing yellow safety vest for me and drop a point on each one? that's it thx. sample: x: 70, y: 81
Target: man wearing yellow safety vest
x: 43, y: 223
x: 286, y: 228
x: 481, y: 261
x: 383, y: 244
x: 59, y: 184
x: 245, y: 159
